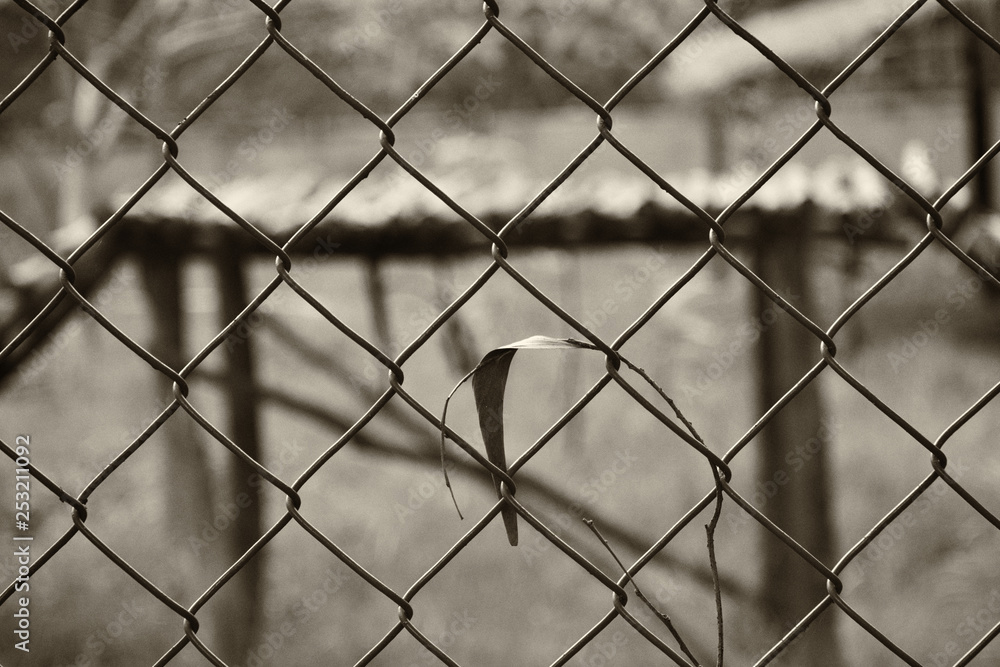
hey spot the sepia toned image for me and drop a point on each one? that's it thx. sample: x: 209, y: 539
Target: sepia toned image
x: 519, y: 332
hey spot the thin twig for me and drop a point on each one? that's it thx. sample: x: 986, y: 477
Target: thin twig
x: 663, y: 617
x: 670, y: 401
x: 709, y: 528
x: 713, y: 524
x: 710, y: 532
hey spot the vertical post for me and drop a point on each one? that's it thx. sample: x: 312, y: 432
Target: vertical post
x: 978, y: 105
x: 186, y: 481
x: 792, y: 471
x: 241, y: 395
x: 375, y: 283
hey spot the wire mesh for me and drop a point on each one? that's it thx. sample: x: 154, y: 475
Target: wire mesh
x: 500, y: 258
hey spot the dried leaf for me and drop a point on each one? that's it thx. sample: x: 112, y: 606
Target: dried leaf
x: 489, y: 384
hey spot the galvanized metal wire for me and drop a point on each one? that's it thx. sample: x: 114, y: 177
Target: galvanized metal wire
x: 500, y: 257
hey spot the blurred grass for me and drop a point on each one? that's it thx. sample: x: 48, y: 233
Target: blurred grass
x: 527, y: 603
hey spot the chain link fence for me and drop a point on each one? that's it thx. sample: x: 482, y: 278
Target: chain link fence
x: 494, y: 252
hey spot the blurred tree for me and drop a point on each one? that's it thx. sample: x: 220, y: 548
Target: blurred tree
x: 67, y: 131
x: 380, y: 49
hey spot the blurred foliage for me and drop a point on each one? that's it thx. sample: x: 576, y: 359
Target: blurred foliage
x: 380, y: 50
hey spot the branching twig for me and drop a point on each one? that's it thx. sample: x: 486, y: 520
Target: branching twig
x: 713, y: 524
x: 663, y: 617
x: 540, y: 342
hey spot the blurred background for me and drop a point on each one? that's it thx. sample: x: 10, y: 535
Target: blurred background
x: 290, y: 388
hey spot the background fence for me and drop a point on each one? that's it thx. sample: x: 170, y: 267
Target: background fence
x: 788, y: 503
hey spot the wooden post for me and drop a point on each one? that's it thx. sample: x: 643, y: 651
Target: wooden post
x: 375, y: 284
x: 978, y: 104
x: 186, y: 481
x: 244, y: 592
x: 792, y: 473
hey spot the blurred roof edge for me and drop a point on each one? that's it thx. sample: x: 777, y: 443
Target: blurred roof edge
x: 799, y: 34
x: 281, y: 200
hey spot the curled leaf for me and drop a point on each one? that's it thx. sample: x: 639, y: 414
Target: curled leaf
x: 489, y: 384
